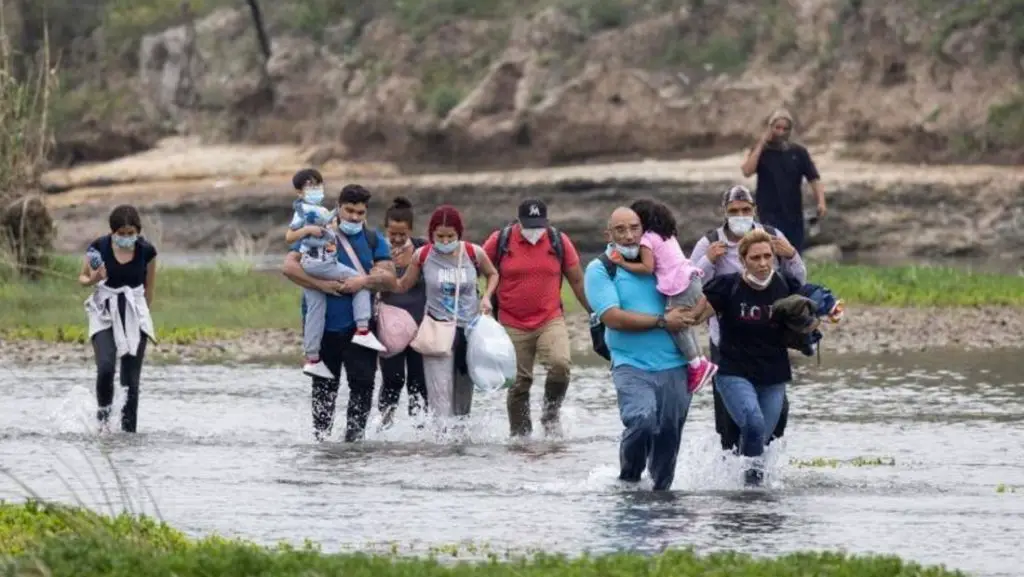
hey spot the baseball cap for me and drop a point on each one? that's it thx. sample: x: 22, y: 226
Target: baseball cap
x: 738, y: 192
x: 533, y: 213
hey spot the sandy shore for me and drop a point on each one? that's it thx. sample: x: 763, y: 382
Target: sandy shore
x: 865, y: 330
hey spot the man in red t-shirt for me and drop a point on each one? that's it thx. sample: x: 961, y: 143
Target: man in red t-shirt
x: 529, y: 305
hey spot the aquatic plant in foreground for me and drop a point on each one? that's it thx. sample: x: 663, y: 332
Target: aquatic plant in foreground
x: 59, y: 541
x: 854, y: 462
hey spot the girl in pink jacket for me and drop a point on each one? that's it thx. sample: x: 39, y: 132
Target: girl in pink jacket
x: 677, y: 278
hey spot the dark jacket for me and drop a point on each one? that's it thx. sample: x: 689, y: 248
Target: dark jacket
x: 799, y: 313
x: 796, y: 313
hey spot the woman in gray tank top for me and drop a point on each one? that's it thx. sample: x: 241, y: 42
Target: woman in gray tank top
x: 445, y: 264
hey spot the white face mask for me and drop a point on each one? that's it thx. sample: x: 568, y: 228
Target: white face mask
x: 628, y: 252
x: 758, y: 282
x: 740, y: 225
x: 533, y: 235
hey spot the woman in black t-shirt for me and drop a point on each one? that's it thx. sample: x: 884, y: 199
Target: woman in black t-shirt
x: 754, y: 367
x: 404, y: 369
x: 122, y: 267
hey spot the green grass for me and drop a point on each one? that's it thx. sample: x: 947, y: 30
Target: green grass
x: 918, y: 286
x: 60, y: 541
x: 189, y: 304
x: 219, y: 302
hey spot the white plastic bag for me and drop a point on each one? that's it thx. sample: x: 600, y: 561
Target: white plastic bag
x: 490, y: 354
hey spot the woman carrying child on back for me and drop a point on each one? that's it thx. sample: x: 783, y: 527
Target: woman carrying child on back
x: 314, y: 232
x: 678, y: 279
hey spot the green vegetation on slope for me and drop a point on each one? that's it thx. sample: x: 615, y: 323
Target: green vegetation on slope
x: 1003, y: 22
x: 218, y: 302
x: 60, y: 541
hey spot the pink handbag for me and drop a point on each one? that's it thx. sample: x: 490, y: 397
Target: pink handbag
x: 395, y: 328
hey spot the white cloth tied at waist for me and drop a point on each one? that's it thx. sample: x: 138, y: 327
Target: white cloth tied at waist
x: 103, y: 313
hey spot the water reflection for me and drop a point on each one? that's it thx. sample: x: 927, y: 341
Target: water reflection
x: 752, y: 513
x: 648, y: 521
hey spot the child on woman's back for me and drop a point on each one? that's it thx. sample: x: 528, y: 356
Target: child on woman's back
x: 678, y: 279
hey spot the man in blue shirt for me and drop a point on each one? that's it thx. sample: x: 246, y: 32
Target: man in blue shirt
x: 336, y: 348
x: 648, y: 370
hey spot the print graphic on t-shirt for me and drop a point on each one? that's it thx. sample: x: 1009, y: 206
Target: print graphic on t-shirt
x: 756, y: 312
x: 447, y: 277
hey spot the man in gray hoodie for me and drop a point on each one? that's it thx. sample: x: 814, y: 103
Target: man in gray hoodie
x: 717, y: 253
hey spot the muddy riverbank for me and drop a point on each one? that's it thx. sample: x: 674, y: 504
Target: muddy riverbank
x: 865, y: 330
x: 902, y: 211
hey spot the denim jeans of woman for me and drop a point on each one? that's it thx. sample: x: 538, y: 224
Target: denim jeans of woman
x: 755, y: 410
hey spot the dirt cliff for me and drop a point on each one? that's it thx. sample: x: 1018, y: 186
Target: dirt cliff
x: 539, y: 82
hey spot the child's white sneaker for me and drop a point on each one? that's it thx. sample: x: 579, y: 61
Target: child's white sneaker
x: 365, y: 338
x: 317, y: 369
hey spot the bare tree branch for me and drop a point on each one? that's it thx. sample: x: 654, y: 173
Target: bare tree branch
x: 261, y: 31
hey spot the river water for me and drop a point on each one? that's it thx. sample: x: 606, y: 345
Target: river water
x: 228, y: 450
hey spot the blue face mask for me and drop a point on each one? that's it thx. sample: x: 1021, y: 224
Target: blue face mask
x: 124, y: 241
x: 628, y: 252
x: 446, y: 247
x: 350, y: 228
x: 313, y: 195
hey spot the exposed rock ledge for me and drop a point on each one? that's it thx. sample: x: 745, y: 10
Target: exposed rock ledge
x: 905, y: 211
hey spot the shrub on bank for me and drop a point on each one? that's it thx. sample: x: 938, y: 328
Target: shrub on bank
x: 63, y: 541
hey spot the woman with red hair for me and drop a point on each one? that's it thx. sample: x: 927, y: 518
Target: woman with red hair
x: 450, y: 268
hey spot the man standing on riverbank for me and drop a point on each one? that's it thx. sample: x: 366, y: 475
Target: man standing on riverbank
x: 336, y: 348
x: 648, y: 370
x: 531, y: 257
x: 781, y: 166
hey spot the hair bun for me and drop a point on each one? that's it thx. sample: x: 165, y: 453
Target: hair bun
x: 401, y: 202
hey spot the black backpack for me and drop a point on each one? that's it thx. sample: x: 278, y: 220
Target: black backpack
x: 712, y: 235
x: 555, y: 238
x: 597, y: 330
x: 371, y: 238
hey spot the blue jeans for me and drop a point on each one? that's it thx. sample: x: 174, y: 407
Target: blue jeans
x: 653, y: 407
x: 755, y: 410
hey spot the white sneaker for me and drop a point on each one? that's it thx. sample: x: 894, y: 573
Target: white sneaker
x: 318, y: 369
x: 369, y: 341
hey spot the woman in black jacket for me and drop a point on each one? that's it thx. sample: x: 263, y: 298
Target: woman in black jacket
x: 754, y: 366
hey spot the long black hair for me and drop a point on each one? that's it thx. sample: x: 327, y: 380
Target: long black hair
x: 655, y: 217
x: 399, y: 211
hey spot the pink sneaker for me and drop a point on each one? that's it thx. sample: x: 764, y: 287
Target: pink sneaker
x: 700, y: 375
